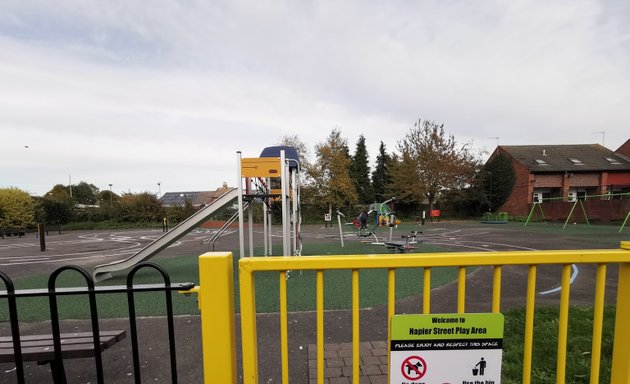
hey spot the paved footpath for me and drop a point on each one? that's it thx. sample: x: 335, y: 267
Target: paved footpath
x: 338, y: 362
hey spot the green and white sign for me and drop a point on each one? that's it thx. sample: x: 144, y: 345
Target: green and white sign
x: 446, y: 349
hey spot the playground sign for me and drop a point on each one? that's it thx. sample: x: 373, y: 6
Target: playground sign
x: 446, y: 348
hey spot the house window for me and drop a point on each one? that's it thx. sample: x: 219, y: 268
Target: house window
x: 540, y: 162
x: 616, y: 191
x: 576, y: 161
x: 540, y: 195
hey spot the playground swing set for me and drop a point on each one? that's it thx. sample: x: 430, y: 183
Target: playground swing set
x: 537, y: 207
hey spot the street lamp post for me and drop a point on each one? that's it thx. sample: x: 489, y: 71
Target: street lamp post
x: 111, y: 196
x: 159, y: 189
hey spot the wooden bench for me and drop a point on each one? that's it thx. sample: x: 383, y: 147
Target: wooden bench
x: 40, y: 348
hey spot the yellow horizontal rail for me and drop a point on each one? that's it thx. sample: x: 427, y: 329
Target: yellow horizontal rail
x: 446, y: 259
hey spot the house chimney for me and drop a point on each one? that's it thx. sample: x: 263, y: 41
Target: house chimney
x: 544, y: 152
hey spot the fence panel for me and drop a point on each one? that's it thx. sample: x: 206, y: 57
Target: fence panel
x: 19, y: 348
x: 248, y: 267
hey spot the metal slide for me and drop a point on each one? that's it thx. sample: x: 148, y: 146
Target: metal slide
x: 103, y: 272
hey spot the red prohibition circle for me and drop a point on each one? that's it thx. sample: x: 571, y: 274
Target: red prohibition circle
x: 407, y: 366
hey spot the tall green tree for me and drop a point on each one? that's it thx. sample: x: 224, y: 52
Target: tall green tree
x: 499, y: 178
x: 107, y: 198
x: 332, y: 185
x: 404, y: 183
x: 360, y: 173
x: 59, y: 191
x: 381, y: 176
x: 84, y: 193
x: 57, y: 211
x: 57, y: 204
x: 140, y: 207
x: 17, y: 207
x: 441, y: 165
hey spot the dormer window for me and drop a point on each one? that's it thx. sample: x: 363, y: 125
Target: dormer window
x: 612, y: 160
x: 576, y: 161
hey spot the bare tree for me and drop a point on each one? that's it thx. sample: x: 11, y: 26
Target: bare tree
x: 440, y: 164
x: 301, y: 148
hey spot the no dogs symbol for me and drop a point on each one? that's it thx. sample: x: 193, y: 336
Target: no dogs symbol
x: 413, y: 368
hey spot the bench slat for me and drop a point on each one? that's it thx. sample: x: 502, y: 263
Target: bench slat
x: 73, y: 345
x: 63, y: 336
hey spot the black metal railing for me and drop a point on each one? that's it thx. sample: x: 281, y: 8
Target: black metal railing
x: 18, y: 356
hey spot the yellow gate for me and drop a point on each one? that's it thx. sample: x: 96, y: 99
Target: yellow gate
x: 216, y: 302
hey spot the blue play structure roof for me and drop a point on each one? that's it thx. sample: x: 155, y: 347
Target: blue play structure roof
x: 289, y: 153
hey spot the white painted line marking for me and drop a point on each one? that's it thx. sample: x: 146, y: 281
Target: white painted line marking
x: 573, y: 277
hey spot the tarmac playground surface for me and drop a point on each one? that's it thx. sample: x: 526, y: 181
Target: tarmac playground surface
x: 21, y: 257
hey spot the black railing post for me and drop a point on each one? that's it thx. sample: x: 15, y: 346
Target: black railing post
x: 15, y: 327
x: 54, y: 317
x: 169, y: 319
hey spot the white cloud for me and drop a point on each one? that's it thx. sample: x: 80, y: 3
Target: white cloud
x: 131, y: 93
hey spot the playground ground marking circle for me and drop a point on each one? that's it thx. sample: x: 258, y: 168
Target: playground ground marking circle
x: 408, y: 368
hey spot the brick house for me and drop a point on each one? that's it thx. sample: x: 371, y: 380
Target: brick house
x: 624, y: 149
x: 567, y: 173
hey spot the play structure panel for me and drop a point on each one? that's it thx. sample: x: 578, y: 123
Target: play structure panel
x: 261, y: 167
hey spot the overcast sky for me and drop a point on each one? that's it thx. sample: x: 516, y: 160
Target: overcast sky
x: 136, y: 92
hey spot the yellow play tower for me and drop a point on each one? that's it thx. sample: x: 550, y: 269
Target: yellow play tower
x: 258, y: 179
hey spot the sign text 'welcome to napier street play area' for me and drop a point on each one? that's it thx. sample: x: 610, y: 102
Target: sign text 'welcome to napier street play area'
x: 446, y: 349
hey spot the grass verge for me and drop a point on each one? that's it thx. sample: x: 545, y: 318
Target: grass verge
x: 545, y: 345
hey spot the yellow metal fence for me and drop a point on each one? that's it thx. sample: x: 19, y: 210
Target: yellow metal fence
x: 216, y: 302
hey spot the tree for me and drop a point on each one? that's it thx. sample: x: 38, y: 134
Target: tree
x: 404, y: 183
x: 141, y: 207
x: 59, y: 191
x: 439, y: 163
x: 499, y: 178
x: 57, y: 205
x: 381, y: 177
x: 18, y: 209
x: 360, y: 173
x: 107, y: 198
x: 301, y: 148
x: 332, y: 184
x: 84, y: 193
x: 57, y: 211
x: 467, y: 202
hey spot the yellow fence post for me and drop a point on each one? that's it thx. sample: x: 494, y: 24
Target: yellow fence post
x: 620, y: 372
x: 247, y: 287
x: 216, y: 303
